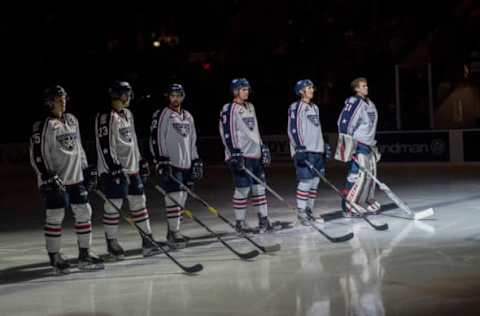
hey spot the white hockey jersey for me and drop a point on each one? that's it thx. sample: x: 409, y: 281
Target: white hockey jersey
x: 239, y: 129
x: 304, y: 127
x: 56, y: 147
x: 359, y: 119
x: 173, y: 135
x: 116, y: 141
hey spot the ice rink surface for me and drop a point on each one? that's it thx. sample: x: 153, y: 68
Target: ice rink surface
x: 429, y: 267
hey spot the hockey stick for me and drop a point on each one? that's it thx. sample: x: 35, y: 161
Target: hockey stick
x: 278, y: 196
x: 355, y: 206
x: 215, y: 212
x: 245, y: 256
x: 189, y: 269
x: 402, y: 205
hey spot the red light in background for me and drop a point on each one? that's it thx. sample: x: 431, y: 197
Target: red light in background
x: 207, y: 66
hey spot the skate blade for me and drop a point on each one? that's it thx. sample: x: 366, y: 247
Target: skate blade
x: 113, y: 258
x: 423, y: 214
x: 152, y: 252
x: 57, y: 271
x: 91, y: 267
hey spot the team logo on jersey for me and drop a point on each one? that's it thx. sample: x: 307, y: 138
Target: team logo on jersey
x: 125, y: 134
x: 314, y: 119
x: 67, y: 141
x: 372, y: 116
x: 250, y: 122
x: 182, y: 128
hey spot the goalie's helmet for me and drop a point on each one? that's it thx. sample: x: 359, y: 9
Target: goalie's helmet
x: 119, y: 89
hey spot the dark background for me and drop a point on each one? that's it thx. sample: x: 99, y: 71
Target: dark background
x: 204, y: 44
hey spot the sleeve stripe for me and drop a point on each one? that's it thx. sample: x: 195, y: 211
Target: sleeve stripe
x: 155, y: 135
x: 162, y: 151
x: 228, y: 129
x: 37, y: 157
x: 348, y: 114
x: 104, y: 141
x: 295, y: 130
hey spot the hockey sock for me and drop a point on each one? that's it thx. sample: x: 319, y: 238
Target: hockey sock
x: 240, y: 202
x: 259, y: 200
x: 111, y: 218
x: 303, y: 192
x: 83, y: 226
x: 173, y: 211
x: 139, y: 212
x: 312, y: 194
x: 53, y: 229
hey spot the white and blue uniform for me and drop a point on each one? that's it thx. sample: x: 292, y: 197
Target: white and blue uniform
x: 117, y: 145
x: 305, y: 131
x: 239, y: 130
x: 56, y: 148
x: 173, y: 136
x: 357, y: 127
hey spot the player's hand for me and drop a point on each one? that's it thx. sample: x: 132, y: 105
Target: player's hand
x: 266, y: 156
x: 197, y: 169
x: 300, y: 155
x: 90, y: 178
x: 236, y: 161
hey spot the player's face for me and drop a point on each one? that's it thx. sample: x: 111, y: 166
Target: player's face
x: 59, y: 105
x: 362, y: 89
x: 175, y: 99
x: 308, y: 92
x: 243, y: 93
x: 125, y: 100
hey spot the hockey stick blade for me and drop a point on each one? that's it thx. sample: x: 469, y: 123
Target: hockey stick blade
x: 215, y: 212
x: 375, y: 226
x: 248, y: 255
x: 188, y: 269
x: 334, y: 239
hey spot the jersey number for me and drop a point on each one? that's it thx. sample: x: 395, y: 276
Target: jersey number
x: 102, y: 131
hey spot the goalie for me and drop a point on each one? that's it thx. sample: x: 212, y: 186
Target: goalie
x: 357, y: 126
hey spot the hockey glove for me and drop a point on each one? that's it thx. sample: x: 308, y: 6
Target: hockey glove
x: 327, y: 152
x: 300, y: 155
x: 90, y: 178
x: 163, y: 167
x: 197, y: 169
x: 53, y: 190
x: 144, y: 171
x: 117, y: 174
x: 236, y: 161
x: 266, y: 157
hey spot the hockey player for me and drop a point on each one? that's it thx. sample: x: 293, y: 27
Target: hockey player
x: 306, y: 144
x: 58, y: 158
x: 357, y: 126
x: 173, y: 145
x: 122, y: 170
x: 244, y: 149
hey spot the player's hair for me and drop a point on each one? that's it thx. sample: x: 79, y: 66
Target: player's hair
x: 355, y: 82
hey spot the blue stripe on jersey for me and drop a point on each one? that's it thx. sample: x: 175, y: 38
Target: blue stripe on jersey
x: 292, y: 116
x: 351, y: 105
x: 154, y: 141
x: 37, y: 141
x: 227, y: 133
x: 103, y: 135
